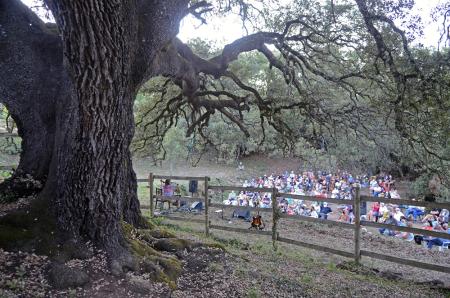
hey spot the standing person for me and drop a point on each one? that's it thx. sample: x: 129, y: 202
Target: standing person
x: 375, y: 213
x: 193, y: 187
x: 240, y: 169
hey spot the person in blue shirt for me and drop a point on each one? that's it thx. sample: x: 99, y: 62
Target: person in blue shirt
x: 439, y: 241
x: 324, y: 211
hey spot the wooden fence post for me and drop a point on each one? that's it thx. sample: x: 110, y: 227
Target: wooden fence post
x: 357, y: 213
x: 274, y: 218
x: 206, y: 207
x: 150, y: 185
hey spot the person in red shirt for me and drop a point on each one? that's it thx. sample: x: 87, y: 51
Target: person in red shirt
x: 375, y: 211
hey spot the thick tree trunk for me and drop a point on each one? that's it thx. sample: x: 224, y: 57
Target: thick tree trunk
x: 79, y: 93
x: 31, y: 70
x: 93, y: 159
x: 33, y: 83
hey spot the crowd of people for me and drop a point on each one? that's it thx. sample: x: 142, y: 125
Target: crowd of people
x: 383, y: 187
x: 436, y: 220
x: 341, y: 186
x: 321, y: 185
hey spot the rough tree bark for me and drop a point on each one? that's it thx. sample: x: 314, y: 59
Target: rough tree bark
x: 101, y: 42
x: 36, y: 89
x: 92, y: 72
x: 31, y: 75
x: 71, y: 95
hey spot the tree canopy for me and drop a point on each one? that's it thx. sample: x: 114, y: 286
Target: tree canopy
x: 335, y: 75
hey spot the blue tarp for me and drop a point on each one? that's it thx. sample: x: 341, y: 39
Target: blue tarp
x: 242, y: 213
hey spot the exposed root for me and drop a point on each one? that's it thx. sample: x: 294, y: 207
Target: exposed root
x: 19, y: 186
x: 160, y: 266
x: 154, y: 253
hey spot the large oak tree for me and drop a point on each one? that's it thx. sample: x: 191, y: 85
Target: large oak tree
x: 70, y: 88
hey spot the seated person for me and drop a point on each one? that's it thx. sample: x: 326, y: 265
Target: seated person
x: 335, y: 194
x: 232, y: 196
x: 390, y: 221
x: 347, y: 195
x: 299, y: 209
x: 415, y: 212
x: 290, y: 210
x: 306, y: 210
x: 168, y: 189
x: 377, y: 190
x: 406, y: 235
x: 441, y: 224
x: 394, y: 194
x: 398, y: 214
x: 344, y: 216
x: 324, y: 211
x: 241, y: 198
x: 313, y: 212
x: 266, y: 201
x: 439, y: 241
x: 445, y: 214
x: 431, y: 219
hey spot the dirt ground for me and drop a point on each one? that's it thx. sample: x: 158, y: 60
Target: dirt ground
x: 309, y: 232
x: 293, y: 271
x: 248, y: 266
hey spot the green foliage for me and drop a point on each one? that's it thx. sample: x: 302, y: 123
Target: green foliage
x: 9, y: 145
x: 420, y: 188
x: 4, y: 174
x: 361, y: 123
x: 253, y: 293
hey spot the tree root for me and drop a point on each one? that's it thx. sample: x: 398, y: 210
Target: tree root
x: 154, y: 252
x: 161, y: 267
x: 19, y: 186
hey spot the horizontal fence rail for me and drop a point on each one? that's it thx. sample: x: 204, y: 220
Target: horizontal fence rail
x: 319, y: 220
x: 178, y: 198
x: 240, y: 230
x: 202, y: 221
x: 406, y: 202
x: 356, y: 254
x: 240, y: 188
x: 416, y: 231
x: 317, y: 247
x: 178, y: 177
x: 317, y: 199
x: 408, y: 262
x: 222, y: 206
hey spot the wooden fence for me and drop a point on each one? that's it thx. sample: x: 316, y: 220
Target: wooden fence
x: 357, y: 252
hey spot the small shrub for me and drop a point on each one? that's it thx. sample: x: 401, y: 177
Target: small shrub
x: 253, y: 293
